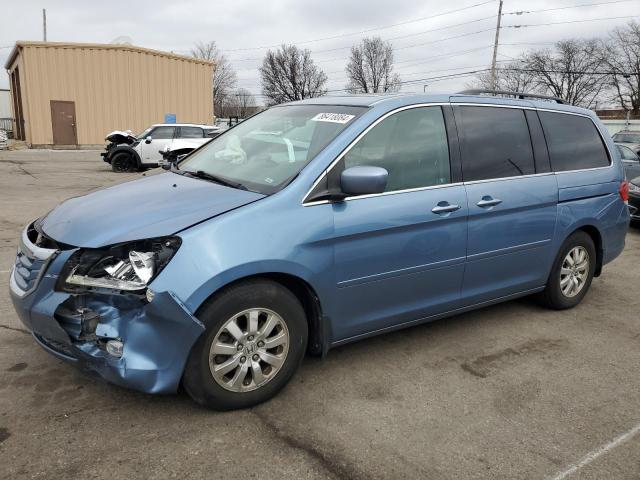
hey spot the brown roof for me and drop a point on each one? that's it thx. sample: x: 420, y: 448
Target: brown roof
x: 132, y: 48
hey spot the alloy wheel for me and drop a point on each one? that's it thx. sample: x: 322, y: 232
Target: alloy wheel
x: 249, y: 350
x: 574, y: 271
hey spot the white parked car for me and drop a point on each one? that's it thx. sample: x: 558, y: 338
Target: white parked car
x: 126, y: 152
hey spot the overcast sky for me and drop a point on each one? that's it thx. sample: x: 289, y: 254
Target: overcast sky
x: 420, y: 30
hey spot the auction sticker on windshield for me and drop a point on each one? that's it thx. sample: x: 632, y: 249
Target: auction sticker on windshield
x: 332, y: 117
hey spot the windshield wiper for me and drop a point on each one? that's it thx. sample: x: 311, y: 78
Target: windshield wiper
x: 214, y: 178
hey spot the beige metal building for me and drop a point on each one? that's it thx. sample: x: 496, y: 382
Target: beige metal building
x: 73, y: 94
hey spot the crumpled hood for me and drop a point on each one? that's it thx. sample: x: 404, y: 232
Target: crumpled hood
x: 120, y: 136
x: 152, y: 206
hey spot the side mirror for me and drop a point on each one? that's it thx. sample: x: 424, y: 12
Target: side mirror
x: 363, y: 180
x: 148, y: 139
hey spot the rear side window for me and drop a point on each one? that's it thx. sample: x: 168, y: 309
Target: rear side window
x: 411, y: 145
x: 191, y: 132
x: 574, y: 142
x: 495, y: 143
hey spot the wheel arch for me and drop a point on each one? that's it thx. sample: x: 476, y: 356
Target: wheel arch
x: 319, y: 326
x: 596, y: 236
x: 126, y: 149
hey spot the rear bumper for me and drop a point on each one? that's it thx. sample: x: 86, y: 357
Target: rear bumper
x: 157, y: 335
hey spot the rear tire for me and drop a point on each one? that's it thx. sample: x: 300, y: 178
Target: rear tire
x: 123, y: 162
x: 255, y: 339
x: 572, y: 272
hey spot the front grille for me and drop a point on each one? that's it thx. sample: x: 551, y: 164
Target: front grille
x: 34, y: 255
x: 28, y: 271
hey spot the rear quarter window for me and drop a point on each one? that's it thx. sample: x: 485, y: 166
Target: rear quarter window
x: 191, y: 132
x: 574, y: 142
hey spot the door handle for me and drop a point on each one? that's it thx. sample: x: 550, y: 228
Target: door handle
x: 444, y: 207
x: 488, y: 201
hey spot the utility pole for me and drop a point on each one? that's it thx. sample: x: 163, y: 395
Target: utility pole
x: 495, y: 49
x: 44, y: 24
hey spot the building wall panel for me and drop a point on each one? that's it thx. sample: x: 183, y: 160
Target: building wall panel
x: 113, y: 89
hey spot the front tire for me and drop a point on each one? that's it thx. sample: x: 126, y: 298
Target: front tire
x: 255, y: 339
x: 572, y: 272
x: 123, y: 162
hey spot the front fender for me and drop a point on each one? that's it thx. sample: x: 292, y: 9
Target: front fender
x: 252, y: 269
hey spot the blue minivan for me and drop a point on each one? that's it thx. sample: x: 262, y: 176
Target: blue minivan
x: 317, y: 223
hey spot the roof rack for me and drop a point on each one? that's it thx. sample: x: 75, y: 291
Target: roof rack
x: 521, y: 95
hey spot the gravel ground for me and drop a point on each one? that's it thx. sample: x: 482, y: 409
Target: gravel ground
x: 512, y: 391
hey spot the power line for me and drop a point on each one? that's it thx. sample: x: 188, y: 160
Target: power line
x: 440, y: 28
x: 410, y: 82
x: 396, y: 48
x: 458, y: 36
x: 568, y: 72
x: 411, y: 63
x: 431, y: 79
x: 430, y: 71
x: 342, y: 35
x: 414, y: 62
x: 570, y: 21
x: 522, y: 12
x: 450, y: 76
x: 528, y: 43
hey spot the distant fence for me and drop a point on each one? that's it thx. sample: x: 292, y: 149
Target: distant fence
x: 614, y: 126
x: 6, y: 124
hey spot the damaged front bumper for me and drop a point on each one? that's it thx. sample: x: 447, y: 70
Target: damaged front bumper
x: 156, y: 336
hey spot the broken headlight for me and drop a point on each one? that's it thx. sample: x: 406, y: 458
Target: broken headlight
x: 126, y: 267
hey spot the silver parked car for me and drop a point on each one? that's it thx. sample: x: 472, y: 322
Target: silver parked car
x: 630, y: 160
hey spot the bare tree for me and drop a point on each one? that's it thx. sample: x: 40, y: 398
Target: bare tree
x: 512, y: 77
x: 224, y: 76
x: 570, y: 71
x: 289, y: 74
x: 243, y: 103
x: 621, y: 56
x: 370, y: 67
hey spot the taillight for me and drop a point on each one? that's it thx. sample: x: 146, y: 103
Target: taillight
x: 624, y: 191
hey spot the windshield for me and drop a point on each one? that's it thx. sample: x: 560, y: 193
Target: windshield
x: 627, y: 137
x: 266, y: 151
x: 145, y: 133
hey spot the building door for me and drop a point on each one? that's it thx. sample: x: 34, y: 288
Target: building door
x: 63, y: 121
